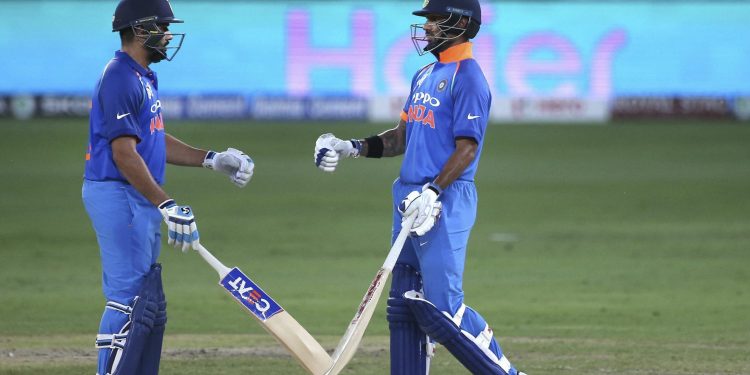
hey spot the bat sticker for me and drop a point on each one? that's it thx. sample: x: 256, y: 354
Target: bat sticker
x: 250, y: 295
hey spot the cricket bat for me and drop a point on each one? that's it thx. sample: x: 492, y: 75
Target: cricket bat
x: 353, y: 336
x: 271, y: 316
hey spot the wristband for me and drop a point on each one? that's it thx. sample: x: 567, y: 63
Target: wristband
x: 167, y: 203
x: 357, y: 145
x: 374, y: 147
x: 208, y: 159
x: 435, y: 187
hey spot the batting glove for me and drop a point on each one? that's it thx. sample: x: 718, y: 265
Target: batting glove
x: 328, y: 150
x: 233, y: 163
x: 425, y: 205
x: 181, y: 224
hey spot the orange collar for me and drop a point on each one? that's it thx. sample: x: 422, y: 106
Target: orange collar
x: 456, y: 53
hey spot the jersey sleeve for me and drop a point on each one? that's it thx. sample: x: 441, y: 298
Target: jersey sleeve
x: 471, y: 102
x: 121, y: 97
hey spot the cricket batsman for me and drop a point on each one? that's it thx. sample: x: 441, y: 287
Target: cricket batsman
x: 441, y: 135
x: 122, y: 188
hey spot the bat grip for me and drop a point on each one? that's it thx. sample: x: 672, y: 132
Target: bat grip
x: 211, y: 260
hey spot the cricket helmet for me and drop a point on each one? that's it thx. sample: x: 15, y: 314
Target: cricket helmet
x: 452, y: 11
x: 131, y: 13
x: 465, y: 8
x: 146, y: 18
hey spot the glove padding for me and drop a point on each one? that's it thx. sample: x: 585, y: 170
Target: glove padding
x: 328, y: 150
x: 181, y: 224
x: 425, y: 205
x: 233, y: 163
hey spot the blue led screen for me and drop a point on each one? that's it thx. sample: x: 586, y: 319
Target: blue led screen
x: 566, y: 49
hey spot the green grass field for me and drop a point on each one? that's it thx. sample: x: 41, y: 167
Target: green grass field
x: 618, y: 249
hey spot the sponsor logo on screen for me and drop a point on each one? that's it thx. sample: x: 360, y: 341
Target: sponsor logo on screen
x: 310, y: 108
x: 216, y: 107
x: 671, y: 107
x: 64, y: 105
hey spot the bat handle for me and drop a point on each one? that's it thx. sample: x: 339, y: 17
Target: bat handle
x: 395, y: 251
x: 211, y: 259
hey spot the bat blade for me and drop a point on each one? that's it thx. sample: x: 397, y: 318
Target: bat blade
x: 276, y: 321
x: 349, y: 343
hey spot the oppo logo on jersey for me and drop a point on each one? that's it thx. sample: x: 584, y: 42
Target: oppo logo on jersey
x: 156, y: 106
x: 425, y: 98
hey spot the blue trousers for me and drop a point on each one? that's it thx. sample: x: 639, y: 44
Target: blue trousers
x: 127, y: 229
x: 439, y: 255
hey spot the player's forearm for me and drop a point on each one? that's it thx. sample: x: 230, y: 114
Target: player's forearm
x: 135, y: 171
x: 458, y: 162
x: 180, y: 153
x: 394, y: 141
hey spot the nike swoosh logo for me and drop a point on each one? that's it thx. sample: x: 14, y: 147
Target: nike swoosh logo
x: 470, y: 117
x: 120, y: 117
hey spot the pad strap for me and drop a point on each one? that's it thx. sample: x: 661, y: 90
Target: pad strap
x: 125, y: 309
x: 116, y: 340
x: 112, y: 341
x: 459, y: 317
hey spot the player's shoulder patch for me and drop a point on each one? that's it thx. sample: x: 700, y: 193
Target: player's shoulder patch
x: 422, y: 69
x: 422, y: 74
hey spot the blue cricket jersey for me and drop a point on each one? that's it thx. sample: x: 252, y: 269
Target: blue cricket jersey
x: 125, y: 103
x: 449, y: 99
